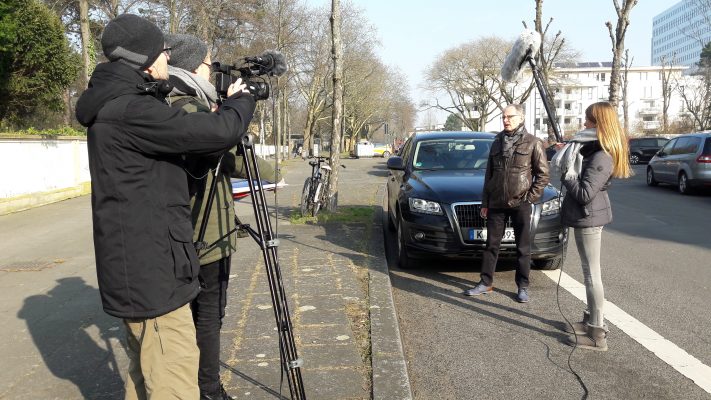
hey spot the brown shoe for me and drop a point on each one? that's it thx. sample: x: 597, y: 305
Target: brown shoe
x: 579, y: 328
x: 595, y: 339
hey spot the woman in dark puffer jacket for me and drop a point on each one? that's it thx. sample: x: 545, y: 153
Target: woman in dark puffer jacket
x: 593, y: 157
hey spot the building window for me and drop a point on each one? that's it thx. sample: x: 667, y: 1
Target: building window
x: 590, y: 93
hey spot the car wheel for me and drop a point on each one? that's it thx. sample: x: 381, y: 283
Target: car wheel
x: 404, y: 260
x: 386, y: 154
x: 684, y: 184
x: 391, y: 223
x: 549, y: 264
x: 650, y: 177
x: 634, y: 159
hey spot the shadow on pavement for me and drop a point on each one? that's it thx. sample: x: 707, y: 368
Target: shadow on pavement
x: 416, y: 280
x: 66, y: 346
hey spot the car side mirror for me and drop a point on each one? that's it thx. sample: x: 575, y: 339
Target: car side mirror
x: 396, y: 163
x: 661, y: 154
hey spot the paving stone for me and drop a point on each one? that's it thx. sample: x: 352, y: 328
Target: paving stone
x: 322, y: 270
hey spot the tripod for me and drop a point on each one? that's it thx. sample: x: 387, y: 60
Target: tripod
x: 263, y: 235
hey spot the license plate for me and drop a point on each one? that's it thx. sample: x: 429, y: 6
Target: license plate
x: 480, y: 234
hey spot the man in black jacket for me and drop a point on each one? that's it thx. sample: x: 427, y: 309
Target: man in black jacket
x: 146, y: 264
x: 516, y: 174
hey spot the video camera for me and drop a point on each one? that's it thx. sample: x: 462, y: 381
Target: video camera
x: 252, y: 72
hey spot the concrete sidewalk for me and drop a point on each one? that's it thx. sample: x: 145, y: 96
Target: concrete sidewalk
x: 59, y: 344
x: 339, y: 294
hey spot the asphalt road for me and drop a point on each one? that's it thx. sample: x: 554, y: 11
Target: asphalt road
x: 656, y: 268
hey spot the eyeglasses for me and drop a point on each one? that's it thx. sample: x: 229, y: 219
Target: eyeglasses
x: 510, y: 117
x: 167, y: 51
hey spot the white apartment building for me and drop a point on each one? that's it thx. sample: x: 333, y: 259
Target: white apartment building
x: 680, y: 32
x: 578, y: 86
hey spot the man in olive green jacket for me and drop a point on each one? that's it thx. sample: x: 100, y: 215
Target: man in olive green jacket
x: 189, y: 69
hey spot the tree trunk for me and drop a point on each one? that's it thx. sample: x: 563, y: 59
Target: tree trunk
x: 618, y: 45
x: 308, y: 132
x: 173, y: 17
x: 625, y: 103
x: 67, y: 116
x: 276, y: 128
x: 337, y: 109
x: 85, y: 41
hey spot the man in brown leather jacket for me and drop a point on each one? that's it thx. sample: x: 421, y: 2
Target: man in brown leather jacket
x: 516, y: 174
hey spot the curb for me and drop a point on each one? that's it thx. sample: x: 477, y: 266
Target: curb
x: 390, y: 379
x: 31, y: 200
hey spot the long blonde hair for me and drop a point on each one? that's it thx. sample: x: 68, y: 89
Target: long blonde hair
x: 612, y: 139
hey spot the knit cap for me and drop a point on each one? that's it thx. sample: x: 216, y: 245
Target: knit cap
x: 132, y: 40
x: 187, y: 51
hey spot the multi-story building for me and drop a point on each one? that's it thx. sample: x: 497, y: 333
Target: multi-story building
x: 578, y: 86
x: 680, y: 32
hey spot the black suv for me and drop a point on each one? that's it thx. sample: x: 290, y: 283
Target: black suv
x: 642, y: 149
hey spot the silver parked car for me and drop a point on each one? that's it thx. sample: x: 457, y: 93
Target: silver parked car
x: 684, y: 161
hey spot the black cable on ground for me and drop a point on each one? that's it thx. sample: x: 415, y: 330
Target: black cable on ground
x: 570, y: 356
x: 586, y: 393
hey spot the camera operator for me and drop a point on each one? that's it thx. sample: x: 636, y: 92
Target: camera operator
x: 189, y: 69
x: 146, y: 263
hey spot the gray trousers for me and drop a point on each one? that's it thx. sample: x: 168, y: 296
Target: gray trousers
x: 588, y: 242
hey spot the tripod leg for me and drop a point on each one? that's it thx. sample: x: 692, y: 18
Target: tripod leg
x: 199, y: 243
x: 291, y: 363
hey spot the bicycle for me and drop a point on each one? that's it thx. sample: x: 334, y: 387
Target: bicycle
x: 313, y: 195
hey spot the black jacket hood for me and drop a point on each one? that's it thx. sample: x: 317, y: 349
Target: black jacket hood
x: 109, y: 81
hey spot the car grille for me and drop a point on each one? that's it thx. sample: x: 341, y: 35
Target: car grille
x: 467, y: 216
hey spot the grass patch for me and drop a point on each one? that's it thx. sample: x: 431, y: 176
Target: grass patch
x: 45, y: 133
x: 344, y: 215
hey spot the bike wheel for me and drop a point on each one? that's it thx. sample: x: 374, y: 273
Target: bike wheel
x: 307, y: 203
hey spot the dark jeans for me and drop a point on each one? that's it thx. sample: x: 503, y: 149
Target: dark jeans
x: 208, y: 310
x: 495, y: 225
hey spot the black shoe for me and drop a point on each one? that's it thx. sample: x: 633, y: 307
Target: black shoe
x: 221, y: 395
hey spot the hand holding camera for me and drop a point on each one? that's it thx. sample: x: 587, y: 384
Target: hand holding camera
x: 237, y: 87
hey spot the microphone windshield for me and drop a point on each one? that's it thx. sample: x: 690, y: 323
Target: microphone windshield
x: 277, y: 62
x: 526, y: 45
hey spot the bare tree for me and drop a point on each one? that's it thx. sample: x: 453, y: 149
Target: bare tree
x: 617, y: 37
x: 553, y: 50
x: 696, y: 96
x: 85, y: 41
x: 311, y: 72
x: 624, y: 79
x: 337, y: 54
x: 469, y: 75
x: 667, y: 89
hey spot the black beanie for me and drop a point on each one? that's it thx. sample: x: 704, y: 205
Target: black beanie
x: 132, y: 40
x: 187, y: 51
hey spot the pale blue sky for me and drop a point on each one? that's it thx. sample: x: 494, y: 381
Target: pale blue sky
x: 413, y: 33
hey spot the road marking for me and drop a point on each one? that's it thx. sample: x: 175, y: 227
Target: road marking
x: 667, y: 351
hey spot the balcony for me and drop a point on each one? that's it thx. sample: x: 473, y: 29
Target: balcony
x: 651, y: 125
x: 566, y: 113
x: 650, y: 111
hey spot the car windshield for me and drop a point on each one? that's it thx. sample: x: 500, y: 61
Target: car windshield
x: 451, y: 154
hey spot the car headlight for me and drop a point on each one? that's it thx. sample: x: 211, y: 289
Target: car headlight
x: 425, y: 206
x: 551, y: 207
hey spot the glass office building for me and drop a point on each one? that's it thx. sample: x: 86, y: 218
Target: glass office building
x: 680, y: 32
